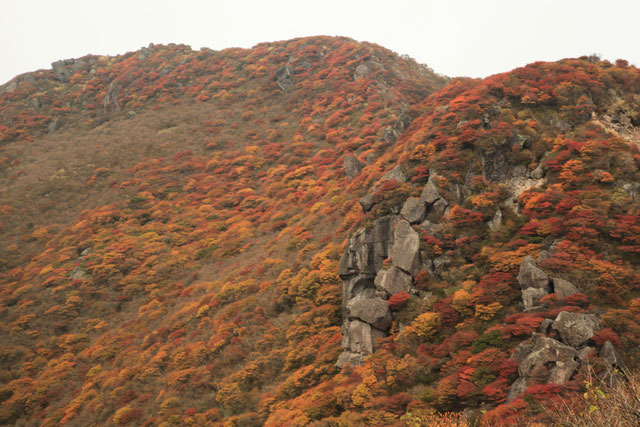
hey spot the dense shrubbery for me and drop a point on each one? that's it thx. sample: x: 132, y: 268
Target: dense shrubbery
x: 207, y: 288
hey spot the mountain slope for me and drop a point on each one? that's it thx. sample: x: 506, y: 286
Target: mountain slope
x: 174, y: 222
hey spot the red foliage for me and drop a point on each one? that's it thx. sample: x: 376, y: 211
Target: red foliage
x: 399, y: 300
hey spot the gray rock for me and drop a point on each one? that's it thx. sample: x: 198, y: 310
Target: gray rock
x: 79, y: 274
x: 366, y: 68
x: 374, y: 311
x: 11, y: 87
x: 414, y: 210
x: 431, y: 227
x: 405, y: 253
x: 609, y: 354
x: 576, y: 329
x: 359, y: 337
x: 537, y: 173
x: 544, y: 351
x: 145, y: 52
x: 354, y: 359
x: 563, y: 288
x: 368, y: 248
x: 545, y: 325
x: 496, y: 221
x: 563, y: 371
x: 389, y: 135
x: 530, y: 276
x: 86, y: 251
x: 358, y: 286
x: 583, y: 353
x: 517, y: 388
x: 430, y: 192
x: 284, y: 78
x: 393, y: 281
x: 531, y: 297
x: 62, y: 69
x: 53, y: 126
x: 522, y: 350
x: 367, y: 202
x: 440, y: 207
x: 394, y: 174
x: 352, y: 166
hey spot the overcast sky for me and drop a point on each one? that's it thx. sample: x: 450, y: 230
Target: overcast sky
x: 454, y: 37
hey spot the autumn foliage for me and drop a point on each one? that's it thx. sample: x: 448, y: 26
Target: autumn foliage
x: 188, y: 274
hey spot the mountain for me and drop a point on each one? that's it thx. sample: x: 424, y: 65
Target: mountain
x: 314, y: 231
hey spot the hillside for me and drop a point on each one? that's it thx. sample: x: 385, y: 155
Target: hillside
x: 315, y: 231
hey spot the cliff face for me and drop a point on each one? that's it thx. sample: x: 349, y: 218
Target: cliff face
x: 312, y: 231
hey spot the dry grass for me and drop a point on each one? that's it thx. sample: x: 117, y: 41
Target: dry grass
x: 613, y: 402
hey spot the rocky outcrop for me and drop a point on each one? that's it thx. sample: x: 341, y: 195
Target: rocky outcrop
x: 405, y: 253
x: 368, y: 247
x: 530, y: 276
x: 556, y: 358
x: 367, y: 68
x: 394, y: 174
x: 576, y: 329
x: 563, y: 288
x: 414, y: 210
x: 66, y: 68
x: 352, y: 166
x: 375, y: 311
x: 284, y: 78
x: 393, y: 281
x: 366, y: 316
x: 531, y: 297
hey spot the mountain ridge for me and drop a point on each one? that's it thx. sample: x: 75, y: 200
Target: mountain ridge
x: 205, y: 260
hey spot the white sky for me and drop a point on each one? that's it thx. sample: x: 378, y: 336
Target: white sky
x: 454, y: 37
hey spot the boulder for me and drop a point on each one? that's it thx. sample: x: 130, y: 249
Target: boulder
x: 522, y: 350
x: 563, y: 371
x: 367, y: 68
x: 609, y: 354
x: 62, y: 69
x: 496, y: 221
x: 545, y: 326
x: 367, y: 202
x: 563, y: 288
x: 389, y: 135
x: 80, y: 274
x: 517, y: 388
x: 374, y: 311
x: 585, y: 352
x: 430, y: 192
x: 440, y: 207
x: 530, y: 276
x: 394, y: 174
x: 393, y: 281
x: 358, y: 286
x: 284, y: 78
x: 532, y: 296
x: 576, y: 329
x: 405, y: 253
x: 414, y: 210
x: 431, y: 227
x: 368, y: 247
x: 352, y: 166
x: 359, y: 337
x: 544, y: 351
